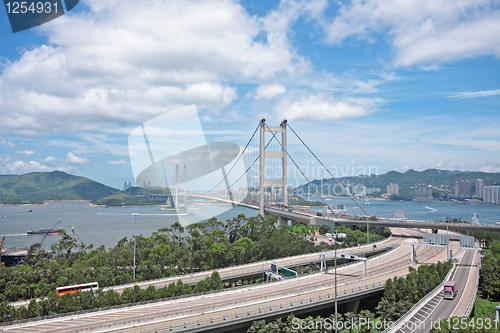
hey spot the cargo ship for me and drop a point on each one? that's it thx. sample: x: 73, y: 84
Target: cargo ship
x: 44, y: 231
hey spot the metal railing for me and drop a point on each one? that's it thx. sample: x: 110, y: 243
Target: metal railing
x: 371, y: 274
x: 264, y: 311
x: 323, y: 286
x: 250, y: 271
x: 408, y: 315
x: 472, y: 301
x: 82, y: 312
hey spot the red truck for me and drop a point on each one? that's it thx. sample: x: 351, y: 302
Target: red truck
x: 450, y: 290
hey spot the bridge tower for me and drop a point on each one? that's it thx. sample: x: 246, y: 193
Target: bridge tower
x: 279, y: 154
x: 180, y: 183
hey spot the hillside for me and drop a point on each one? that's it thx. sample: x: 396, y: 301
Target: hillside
x: 57, y: 185
x: 124, y: 199
x: 408, y: 179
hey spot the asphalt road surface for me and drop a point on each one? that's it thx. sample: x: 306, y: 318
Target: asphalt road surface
x: 252, y: 298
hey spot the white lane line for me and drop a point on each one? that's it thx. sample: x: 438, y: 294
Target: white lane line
x: 466, y: 283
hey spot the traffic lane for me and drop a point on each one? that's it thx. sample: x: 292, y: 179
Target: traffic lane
x: 469, y: 290
x: 233, y: 298
x: 194, y: 278
x: 241, y: 310
x: 445, y: 307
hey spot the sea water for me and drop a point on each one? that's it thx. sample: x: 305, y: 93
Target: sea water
x: 106, y: 226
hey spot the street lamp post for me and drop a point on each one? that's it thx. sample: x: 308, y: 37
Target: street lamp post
x: 467, y: 200
x: 367, y: 231
x: 493, y: 205
x: 336, y: 237
x: 135, y: 224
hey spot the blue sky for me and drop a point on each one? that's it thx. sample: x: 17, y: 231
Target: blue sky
x: 380, y: 84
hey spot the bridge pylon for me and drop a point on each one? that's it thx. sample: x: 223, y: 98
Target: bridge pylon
x: 180, y: 183
x: 264, y: 183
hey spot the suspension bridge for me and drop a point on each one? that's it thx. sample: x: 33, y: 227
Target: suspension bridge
x: 269, y: 194
x: 258, y: 180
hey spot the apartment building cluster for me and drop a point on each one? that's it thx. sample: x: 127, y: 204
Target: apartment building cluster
x: 251, y: 193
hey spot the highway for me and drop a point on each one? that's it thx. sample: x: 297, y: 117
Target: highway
x: 437, y: 308
x: 253, y: 299
x: 238, y: 272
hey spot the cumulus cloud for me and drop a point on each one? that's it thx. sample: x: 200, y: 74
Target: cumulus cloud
x: 321, y: 107
x: 484, y: 93
x: 26, y: 153
x: 120, y: 162
x: 73, y: 159
x: 20, y: 167
x: 422, y: 32
x: 269, y: 91
x: 7, y: 143
x: 52, y: 161
x: 120, y: 63
x: 490, y: 166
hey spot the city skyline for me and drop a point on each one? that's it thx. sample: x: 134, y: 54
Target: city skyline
x: 369, y: 86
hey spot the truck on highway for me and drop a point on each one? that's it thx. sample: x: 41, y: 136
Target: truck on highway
x: 450, y: 290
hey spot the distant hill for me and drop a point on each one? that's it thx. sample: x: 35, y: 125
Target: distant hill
x: 124, y: 199
x: 57, y: 185
x: 410, y: 179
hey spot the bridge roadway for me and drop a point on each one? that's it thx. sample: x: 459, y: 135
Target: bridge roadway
x: 176, y: 313
x: 437, y: 308
x: 240, y: 272
x: 311, y: 218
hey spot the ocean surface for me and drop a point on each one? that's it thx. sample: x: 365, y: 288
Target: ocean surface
x: 93, y: 225
x: 414, y: 210
x: 106, y: 226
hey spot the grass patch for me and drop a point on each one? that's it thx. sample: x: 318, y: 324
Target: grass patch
x: 484, y: 308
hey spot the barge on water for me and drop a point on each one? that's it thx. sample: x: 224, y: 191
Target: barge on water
x: 46, y: 231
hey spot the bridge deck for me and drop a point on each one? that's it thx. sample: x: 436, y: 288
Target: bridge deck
x: 243, y: 302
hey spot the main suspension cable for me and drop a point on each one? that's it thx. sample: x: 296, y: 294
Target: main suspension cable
x: 283, y: 148
x: 234, y: 162
x: 343, y: 188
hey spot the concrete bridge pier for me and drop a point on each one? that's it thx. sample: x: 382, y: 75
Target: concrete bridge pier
x: 282, y: 220
x: 352, y: 306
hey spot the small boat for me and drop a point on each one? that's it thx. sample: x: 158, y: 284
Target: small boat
x: 46, y: 231
x: 30, y: 211
x: 475, y: 220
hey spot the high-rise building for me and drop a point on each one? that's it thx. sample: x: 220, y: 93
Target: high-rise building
x: 423, y: 193
x: 491, y: 194
x: 462, y: 189
x: 479, y: 188
x: 359, y: 190
x: 392, y: 189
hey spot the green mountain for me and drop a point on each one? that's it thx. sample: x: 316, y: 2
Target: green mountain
x: 125, y: 199
x: 57, y: 185
x: 411, y: 178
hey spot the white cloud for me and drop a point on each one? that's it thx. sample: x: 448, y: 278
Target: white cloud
x: 490, y: 166
x: 52, y: 161
x: 73, y: 159
x: 269, y: 91
x: 7, y: 143
x: 120, y: 64
x: 484, y: 93
x: 26, y: 153
x: 120, y: 162
x: 424, y: 31
x: 19, y: 167
x: 322, y: 107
